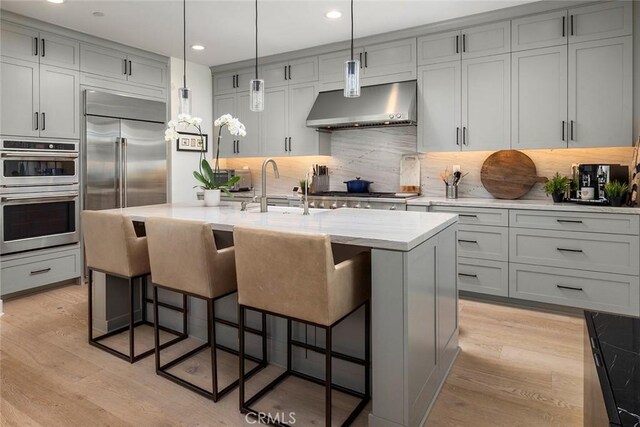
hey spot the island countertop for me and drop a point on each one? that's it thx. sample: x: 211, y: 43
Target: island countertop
x: 396, y: 230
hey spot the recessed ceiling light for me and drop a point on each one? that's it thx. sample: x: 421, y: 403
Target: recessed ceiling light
x: 333, y: 14
x: 197, y: 47
x: 56, y: 1
x: 98, y: 14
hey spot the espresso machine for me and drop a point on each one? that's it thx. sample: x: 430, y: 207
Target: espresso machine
x: 595, y: 176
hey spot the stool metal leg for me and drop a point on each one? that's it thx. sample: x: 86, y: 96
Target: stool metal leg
x: 289, y: 354
x: 367, y: 350
x: 328, y: 378
x: 132, y: 354
x: 90, y: 305
x: 211, y: 336
x: 241, y: 379
x: 156, y: 328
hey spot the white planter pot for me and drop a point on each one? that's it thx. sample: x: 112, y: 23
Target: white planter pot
x: 211, y: 197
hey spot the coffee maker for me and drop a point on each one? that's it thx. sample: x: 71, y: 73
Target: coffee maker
x: 596, y: 176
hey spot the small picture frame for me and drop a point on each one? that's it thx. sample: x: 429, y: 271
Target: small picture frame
x: 188, y: 141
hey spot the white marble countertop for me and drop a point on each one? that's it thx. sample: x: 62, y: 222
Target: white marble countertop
x: 396, y: 230
x: 518, y: 204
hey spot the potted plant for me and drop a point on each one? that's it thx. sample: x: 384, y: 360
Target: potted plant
x: 205, y: 174
x: 303, y: 184
x: 616, y: 192
x: 556, y: 187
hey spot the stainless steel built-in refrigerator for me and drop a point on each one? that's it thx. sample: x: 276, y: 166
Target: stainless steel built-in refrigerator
x: 124, y: 151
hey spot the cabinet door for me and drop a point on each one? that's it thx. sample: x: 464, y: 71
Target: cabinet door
x: 224, y: 104
x: 303, y: 70
x: 244, y: 77
x: 102, y: 61
x: 331, y: 68
x: 275, y: 74
x: 224, y: 83
x: 59, y: 102
x: 18, y: 42
x: 439, y: 97
x: 442, y: 47
x: 19, y: 100
x: 539, y: 98
x: 600, y: 21
x: 492, y: 39
x: 275, y: 124
x: 390, y: 62
x: 303, y: 140
x: 59, y: 51
x: 249, y: 146
x: 543, y: 30
x: 485, y: 103
x: 600, y: 93
x: 147, y: 71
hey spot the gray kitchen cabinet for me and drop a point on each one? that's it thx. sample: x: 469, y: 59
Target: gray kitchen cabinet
x: 539, y: 98
x: 59, y: 51
x: 247, y: 146
x: 486, y: 100
x: 19, y: 102
x: 291, y: 72
x: 600, y: 21
x: 59, y: 102
x: 389, y: 62
x: 331, y: 68
x: 302, y: 139
x: 19, y: 42
x: 440, y: 47
x: 601, y: 93
x: 233, y: 81
x: 538, y: 31
x: 147, y: 71
x: 483, y: 276
x: 275, y: 74
x: 224, y: 104
x: 483, y: 242
x: 103, y: 61
x: 275, y: 121
x: 484, y: 40
x: 439, y: 107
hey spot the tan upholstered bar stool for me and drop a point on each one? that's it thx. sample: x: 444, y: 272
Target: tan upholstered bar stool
x: 184, y: 258
x: 113, y: 247
x: 293, y: 275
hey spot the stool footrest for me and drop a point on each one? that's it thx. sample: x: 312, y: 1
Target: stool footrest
x: 335, y: 354
x: 235, y: 325
x: 166, y: 305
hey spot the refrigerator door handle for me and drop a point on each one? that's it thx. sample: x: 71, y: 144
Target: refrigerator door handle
x: 119, y: 171
x: 124, y: 171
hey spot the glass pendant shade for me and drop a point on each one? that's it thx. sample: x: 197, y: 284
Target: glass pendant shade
x: 352, y: 78
x: 185, y: 100
x: 256, y: 95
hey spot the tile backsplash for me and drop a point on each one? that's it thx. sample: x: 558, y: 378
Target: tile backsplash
x: 374, y: 154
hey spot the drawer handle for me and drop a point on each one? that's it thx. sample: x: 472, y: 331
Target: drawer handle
x: 468, y: 215
x: 44, y: 270
x: 571, y: 288
x: 596, y: 359
x: 475, y: 276
x: 467, y: 241
x: 570, y: 221
x: 570, y: 250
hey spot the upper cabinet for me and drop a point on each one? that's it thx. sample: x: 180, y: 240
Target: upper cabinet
x: 291, y: 72
x: 599, y: 21
x: 28, y: 44
x: 119, y: 65
x: 440, y: 47
x: 379, y: 63
x: 59, y: 102
x: 233, y: 81
x: 537, y: 31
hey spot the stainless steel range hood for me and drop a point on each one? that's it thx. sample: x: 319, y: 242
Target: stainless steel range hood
x: 391, y: 104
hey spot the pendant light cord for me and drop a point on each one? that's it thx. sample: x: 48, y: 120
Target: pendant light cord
x: 256, y: 39
x: 352, y: 30
x: 184, y: 39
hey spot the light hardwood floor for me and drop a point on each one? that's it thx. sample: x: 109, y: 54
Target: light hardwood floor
x: 516, y: 367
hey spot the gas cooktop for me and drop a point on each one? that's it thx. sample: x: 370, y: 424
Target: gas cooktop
x: 363, y: 195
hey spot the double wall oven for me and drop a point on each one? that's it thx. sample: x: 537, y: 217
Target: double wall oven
x: 39, y: 200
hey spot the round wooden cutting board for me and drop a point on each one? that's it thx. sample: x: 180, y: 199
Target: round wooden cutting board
x: 509, y: 174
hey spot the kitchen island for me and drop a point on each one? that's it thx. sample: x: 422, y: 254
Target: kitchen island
x: 414, y: 294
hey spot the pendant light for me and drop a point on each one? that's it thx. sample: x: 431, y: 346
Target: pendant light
x: 352, y: 70
x: 184, y: 93
x: 256, y: 86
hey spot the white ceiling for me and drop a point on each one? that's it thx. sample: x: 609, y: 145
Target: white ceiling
x: 226, y: 27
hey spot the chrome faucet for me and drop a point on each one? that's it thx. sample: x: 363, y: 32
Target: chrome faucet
x: 263, y: 199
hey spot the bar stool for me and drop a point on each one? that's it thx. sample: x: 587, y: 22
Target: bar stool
x: 184, y: 258
x: 293, y: 275
x: 112, y: 247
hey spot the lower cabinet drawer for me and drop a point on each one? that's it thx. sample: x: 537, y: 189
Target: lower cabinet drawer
x: 485, y: 277
x: 614, y: 293
x: 483, y: 242
x: 610, y: 253
x: 476, y: 216
x: 20, y: 274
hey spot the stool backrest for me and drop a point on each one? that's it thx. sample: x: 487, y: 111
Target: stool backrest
x: 184, y: 257
x: 285, y: 273
x: 111, y: 244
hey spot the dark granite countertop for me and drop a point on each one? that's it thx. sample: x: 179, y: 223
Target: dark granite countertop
x: 619, y: 340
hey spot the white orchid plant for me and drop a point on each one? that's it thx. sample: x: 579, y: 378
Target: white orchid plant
x: 205, y: 175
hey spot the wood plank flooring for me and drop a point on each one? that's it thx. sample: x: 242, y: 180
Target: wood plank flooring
x: 516, y: 367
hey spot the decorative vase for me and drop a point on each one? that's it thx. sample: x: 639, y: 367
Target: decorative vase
x: 616, y: 202
x: 557, y: 197
x: 211, y: 197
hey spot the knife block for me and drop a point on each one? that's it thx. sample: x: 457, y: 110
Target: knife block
x: 319, y: 184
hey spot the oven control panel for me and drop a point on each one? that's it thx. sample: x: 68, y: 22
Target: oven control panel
x: 37, y: 145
